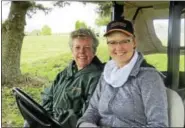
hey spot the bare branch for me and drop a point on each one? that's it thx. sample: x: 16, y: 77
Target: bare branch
x: 61, y: 3
x: 35, y: 7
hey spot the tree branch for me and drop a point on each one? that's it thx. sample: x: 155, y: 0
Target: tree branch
x: 61, y: 3
x: 35, y: 7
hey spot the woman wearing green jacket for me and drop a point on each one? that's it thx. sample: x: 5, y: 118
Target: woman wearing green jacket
x: 68, y: 97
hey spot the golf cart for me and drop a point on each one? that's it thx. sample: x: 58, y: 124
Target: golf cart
x: 142, y: 14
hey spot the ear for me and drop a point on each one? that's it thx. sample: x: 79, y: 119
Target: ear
x: 135, y: 43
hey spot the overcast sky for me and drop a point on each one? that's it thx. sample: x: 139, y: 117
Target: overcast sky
x: 63, y: 19
x: 59, y: 19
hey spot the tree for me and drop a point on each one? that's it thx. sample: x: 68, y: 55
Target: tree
x: 12, y: 39
x: 35, y: 32
x: 46, y: 30
x: 13, y: 35
x: 104, y: 11
x: 104, y: 8
x: 80, y: 24
x: 101, y: 21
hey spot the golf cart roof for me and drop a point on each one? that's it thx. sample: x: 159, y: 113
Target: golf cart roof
x: 143, y: 14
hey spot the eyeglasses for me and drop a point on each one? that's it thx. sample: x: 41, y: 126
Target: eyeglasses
x: 121, y: 42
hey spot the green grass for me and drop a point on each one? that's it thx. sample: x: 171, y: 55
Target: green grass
x: 41, y: 47
x: 45, y: 56
x: 11, y: 116
x: 42, y: 61
x: 47, y: 68
x: 160, y: 61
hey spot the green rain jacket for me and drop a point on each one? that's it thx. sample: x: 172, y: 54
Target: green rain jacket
x: 68, y: 97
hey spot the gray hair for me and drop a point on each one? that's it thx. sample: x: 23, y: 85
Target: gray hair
x: 81, y: 33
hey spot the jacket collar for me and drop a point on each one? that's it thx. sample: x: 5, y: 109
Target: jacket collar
x: 137, y: 66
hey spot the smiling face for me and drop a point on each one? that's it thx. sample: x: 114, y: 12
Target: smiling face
x: 121, y: 47
x: 82, y: 51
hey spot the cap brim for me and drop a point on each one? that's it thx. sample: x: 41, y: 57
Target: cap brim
x: 119, y: 30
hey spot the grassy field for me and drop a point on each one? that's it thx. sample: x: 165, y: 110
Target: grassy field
x: 45, y: 56
x: 36, y: 48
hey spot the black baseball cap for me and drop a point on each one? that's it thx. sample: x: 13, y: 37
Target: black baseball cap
x: 122, y: 25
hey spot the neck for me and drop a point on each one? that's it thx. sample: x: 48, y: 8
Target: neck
x: 120, y: 65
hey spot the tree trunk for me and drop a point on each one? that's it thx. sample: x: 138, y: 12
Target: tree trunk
x: 12, y: 39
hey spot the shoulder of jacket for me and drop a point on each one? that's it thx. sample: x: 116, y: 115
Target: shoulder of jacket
x: 148, y: 71
x: 147, y: 75
x: 146, y: 68
x: 61, y: 73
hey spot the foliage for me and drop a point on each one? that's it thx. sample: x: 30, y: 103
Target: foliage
x: 46, y: 30
x: 61, y: 3
x: 101, y: 21
x: 104, y: 8
x: 35, y: 32
x: 11, y: 116
x: 2, y: 21
x: 35, y: 7
x: 104, y: 11
x: 80, y: 24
